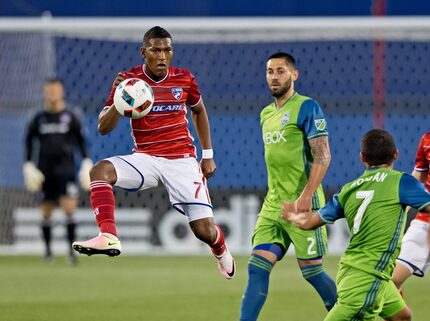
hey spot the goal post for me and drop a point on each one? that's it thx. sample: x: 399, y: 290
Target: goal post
x: 234, y: 29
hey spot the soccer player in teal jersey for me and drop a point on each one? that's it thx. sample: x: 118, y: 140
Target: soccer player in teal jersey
x: 297, y: 156
x: 374, y: 207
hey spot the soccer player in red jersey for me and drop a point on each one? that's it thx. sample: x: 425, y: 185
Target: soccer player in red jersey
x: 164, y: 153
x: 414, y: 257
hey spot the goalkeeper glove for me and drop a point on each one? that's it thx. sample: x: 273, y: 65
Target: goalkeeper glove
x: 84, y: 173
x: 33, y: 177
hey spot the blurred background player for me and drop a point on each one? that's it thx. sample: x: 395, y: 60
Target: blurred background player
x: 414, y: 257
x: 297, y: 156
x: 374, y: 207
x: 164, y: 153
x: 52, y: 136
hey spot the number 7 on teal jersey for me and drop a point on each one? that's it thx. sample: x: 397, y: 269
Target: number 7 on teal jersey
x: 366, y: 196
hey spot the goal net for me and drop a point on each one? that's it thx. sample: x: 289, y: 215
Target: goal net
x: 364, y: 72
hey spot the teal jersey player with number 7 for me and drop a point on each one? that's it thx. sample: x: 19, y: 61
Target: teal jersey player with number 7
x: 374, y: 208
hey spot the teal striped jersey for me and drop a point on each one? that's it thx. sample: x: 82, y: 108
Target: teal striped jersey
x: 286, y: 132
x: 373, y: 206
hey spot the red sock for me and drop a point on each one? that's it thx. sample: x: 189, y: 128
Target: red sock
x: 103, y: 205
x: 218, y: 247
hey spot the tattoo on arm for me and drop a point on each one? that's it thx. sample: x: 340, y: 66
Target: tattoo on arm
x: 321, y: 150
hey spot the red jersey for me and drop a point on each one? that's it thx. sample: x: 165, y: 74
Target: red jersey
x: 164, y: 131
x: 422, y: 164
x: 422, y: 160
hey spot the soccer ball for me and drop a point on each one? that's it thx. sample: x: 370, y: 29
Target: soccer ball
x: 133, y: 98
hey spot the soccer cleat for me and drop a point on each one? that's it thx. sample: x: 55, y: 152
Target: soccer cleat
x: 72, y: 259
x: 226, y: 264
x: 101, y: 244
x: 48, y: 258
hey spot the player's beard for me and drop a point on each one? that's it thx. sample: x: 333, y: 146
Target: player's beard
x: 282, y: 90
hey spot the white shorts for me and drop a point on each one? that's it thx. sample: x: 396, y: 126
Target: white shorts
x: 414, y: 253
x: 182, y: 178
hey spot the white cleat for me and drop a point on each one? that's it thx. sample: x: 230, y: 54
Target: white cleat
x: 226, y: 264
x: 101, y: 244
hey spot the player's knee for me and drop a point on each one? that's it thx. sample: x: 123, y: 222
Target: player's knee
x: 103, y: 171
x: 270, y: 251
x: 312, y: 262
x: 407, y: 314
x: 403, y: 315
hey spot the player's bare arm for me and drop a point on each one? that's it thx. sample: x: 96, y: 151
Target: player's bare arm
x: 423, y: 179
x: 321, y: 152
x: 109, y: 116
x: 421, y: 176
x: 201, y: 123
x: 303, y: 220
x: 426, y: 210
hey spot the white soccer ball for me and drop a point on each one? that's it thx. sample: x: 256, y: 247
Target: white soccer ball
x: 133, y: 98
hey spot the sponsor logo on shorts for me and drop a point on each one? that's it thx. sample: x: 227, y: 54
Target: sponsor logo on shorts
x: 72, y: 190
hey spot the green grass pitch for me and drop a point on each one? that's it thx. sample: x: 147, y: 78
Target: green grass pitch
x: 159, y: 288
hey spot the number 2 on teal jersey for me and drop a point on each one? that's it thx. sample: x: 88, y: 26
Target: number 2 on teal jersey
x: 311, y: 251
x: 366, y: 196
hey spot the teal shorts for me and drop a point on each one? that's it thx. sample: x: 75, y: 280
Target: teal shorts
x: 307, y: 244
x: 363, y: 296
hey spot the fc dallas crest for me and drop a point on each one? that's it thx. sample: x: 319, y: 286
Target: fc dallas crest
x: 177, y: 93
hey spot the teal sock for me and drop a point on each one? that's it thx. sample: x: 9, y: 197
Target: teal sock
x: 322, y: 282
x: 258, y: 285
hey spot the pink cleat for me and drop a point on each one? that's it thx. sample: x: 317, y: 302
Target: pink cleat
x: 226, y: 264
x: 101, y: 244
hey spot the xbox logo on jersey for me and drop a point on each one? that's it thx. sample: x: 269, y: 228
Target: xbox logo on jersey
x: 274, y: 137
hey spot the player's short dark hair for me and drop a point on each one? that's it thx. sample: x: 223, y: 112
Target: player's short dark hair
x: 378, y: 147
x: 289, y: 59
x: 155, y: 32
x: 53, y: 80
